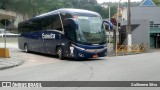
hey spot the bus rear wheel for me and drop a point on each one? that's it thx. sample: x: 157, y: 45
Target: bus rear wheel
x: 26, y: 48
x: 60, y: 53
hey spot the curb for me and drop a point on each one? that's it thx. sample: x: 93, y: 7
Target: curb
x: 8, y: 63
x: 125, y: 54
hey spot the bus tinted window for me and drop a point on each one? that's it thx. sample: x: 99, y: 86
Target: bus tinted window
x: 53, y: 23
x: 34, y: 26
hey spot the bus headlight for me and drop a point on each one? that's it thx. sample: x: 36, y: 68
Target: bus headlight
x: 105, y: 45
x: 106, y: 53
x: 71, y: 49
x: 81, y: 55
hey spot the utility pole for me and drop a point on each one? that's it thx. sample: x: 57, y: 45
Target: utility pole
x: 5, y: 38
x: 108, y: 38
x: 117, y: 26
x: 129, y: 36
x: 109, y: 27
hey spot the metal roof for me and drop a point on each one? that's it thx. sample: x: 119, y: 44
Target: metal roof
x: 147, y: 3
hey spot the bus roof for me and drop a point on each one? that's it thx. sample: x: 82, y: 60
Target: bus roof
x: 71, y: 11
x: 64, y: 10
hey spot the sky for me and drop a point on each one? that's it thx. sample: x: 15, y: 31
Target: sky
x: 101, y: 1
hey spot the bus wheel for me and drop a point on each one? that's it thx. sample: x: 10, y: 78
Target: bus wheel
x: 26, y: 48
x: 60, y: 53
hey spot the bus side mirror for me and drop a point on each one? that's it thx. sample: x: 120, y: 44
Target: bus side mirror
x: 107, y: 25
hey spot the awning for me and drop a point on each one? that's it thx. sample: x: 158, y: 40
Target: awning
x: 7, y: 14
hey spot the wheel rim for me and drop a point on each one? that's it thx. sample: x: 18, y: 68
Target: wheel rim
x: 60, y: 53
x: 26, y: 48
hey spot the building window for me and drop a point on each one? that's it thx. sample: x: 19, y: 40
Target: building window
x: 151, y: 23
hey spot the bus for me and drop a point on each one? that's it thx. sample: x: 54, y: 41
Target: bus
x: 73, y: 33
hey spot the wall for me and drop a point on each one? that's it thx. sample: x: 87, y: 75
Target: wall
x: 147, y: 13
x: 140, y: 34
x: 13, y: 17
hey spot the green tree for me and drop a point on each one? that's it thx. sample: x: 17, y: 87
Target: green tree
x: 93, y: 2
x: 35, y: 7
x: 4, y: 4
x: 157, y: 2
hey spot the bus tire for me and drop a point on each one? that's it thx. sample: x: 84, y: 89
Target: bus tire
x: 60, y: 53
x: 26, y: 48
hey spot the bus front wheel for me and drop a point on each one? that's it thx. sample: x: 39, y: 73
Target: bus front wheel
x: 26, y: 48
x: 60, y: 53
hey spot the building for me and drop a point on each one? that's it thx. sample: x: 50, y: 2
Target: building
x: 12, y: 18
x: 145, y: 20
x: 6, y: 17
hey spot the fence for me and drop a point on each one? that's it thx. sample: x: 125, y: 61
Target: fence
x: 124, y: 49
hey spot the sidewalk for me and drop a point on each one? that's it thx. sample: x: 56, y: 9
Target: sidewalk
x: 154, y: 50
x: 9, y: 62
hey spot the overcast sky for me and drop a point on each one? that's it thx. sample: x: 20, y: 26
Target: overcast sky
x: 101, y: 1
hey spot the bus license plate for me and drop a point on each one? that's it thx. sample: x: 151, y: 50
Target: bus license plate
x: 95, y: 56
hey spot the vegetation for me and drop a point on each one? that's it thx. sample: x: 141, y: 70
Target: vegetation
x: 35, y: 7
x: 157, y: 2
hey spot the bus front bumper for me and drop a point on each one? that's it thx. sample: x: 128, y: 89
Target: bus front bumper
x: 79, y: 53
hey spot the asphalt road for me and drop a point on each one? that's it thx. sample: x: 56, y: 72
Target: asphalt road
x: 38, y: 67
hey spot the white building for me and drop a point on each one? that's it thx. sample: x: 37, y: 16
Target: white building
x: 145, y: 24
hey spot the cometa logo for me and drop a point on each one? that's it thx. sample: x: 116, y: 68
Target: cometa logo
x: 48, y: 36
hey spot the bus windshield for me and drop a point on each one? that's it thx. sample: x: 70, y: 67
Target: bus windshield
x: 90, y: 30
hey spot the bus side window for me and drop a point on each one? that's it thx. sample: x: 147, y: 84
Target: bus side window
x: 48, y: 23
x: 64, y: 17
x: 52, y: 22
x: 56, y: 25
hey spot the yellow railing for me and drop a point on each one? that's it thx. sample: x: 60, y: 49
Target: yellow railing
x: 132, y: 49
